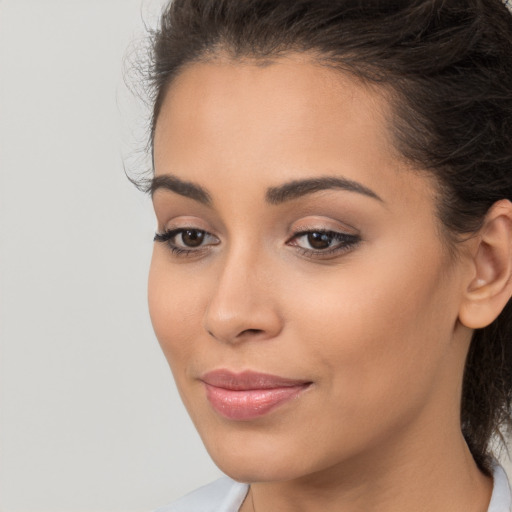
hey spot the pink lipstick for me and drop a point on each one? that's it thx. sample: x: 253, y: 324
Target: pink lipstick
x: 249, y: 395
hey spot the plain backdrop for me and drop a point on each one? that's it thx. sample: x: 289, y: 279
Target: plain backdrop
x: 89, y: 417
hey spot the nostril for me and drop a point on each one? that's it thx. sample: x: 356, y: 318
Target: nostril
x: 242, y: 334
x: 251, y: 331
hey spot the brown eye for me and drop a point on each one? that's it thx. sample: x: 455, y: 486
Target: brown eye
x: 192, y: 237
x: 184, y: 241
x: 319, y: 241
x: 324, y: 244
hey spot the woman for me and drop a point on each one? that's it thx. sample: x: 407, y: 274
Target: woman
x: 333, y: 263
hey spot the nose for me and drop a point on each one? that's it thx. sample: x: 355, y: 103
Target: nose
x: 243, y: 305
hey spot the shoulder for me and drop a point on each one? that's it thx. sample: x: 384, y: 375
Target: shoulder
x: 223, y: 495
x: 501, y: 497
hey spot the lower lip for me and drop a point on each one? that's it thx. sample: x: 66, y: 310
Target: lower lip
x: 251, y: 403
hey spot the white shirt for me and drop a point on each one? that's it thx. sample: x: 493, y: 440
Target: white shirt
x: 226, y: 495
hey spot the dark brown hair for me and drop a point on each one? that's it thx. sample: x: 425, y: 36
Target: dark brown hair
x: 448, y: 66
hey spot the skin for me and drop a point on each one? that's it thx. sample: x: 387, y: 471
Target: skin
x: 376, y: 327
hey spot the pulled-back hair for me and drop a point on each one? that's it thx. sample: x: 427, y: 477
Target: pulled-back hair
x: 447, y: 65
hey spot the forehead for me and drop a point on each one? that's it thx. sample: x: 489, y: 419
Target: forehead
x: 292, y: 99
x: 225, y: 122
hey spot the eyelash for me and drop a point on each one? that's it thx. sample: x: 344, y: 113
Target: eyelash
x: 168, y: 236
x: 345, y: 241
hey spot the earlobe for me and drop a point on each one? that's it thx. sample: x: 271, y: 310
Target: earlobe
x: 490, y: 286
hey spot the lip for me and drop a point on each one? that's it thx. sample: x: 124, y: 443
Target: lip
x: 249, y: 395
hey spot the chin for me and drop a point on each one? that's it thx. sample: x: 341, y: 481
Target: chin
x: 252, y: 457
x: 243, y: 463
x: 251, y: 471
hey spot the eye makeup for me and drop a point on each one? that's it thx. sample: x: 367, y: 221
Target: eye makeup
x: 186, y: 241
x: 323, y: 243
x: 312, y: 242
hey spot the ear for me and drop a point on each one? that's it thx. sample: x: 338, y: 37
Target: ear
x: 490, y: 285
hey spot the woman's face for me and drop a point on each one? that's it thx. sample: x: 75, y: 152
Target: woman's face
x: 300, y: 288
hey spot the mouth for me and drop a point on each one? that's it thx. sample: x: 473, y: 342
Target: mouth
x: 249, y: 395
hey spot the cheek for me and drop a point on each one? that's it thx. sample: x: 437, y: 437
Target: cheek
x: 175, y: 307
x: 379, y: 326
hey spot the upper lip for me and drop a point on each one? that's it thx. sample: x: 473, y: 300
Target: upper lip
x: 248, y: 379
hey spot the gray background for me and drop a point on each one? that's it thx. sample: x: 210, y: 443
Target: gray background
x: 89, y: 418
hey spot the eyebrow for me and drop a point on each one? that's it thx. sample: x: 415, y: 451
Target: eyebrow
x: 181, y: 187
x: 275, y: 195
x: 299, y: 188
